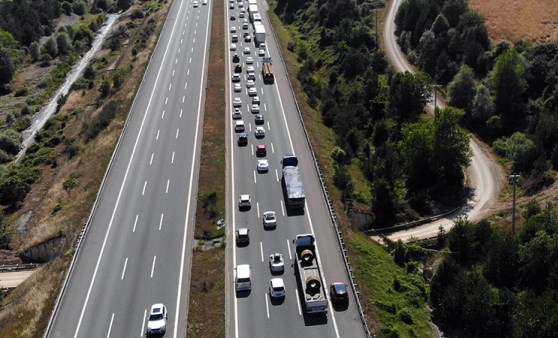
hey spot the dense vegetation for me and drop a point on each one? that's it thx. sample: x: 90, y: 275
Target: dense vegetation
x: 499, y: 284
x: 508, y: 93
x: 375, y: 114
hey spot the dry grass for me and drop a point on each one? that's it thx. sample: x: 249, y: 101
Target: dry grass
x: 34, y: 299
x: 207, y: 278
x: 532, y: 20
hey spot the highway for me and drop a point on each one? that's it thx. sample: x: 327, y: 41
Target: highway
x: 483, y: 174
x: 137, y: 250
x: 254, y: 314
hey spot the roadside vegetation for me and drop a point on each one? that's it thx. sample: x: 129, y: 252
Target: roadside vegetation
x: 207, y: 278
x: 50, y: 192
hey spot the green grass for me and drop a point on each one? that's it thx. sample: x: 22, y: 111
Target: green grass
x: 379, y: 278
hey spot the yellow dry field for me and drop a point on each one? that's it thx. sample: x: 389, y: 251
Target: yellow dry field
x: 532, y: 20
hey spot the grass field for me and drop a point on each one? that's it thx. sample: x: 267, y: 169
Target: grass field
x: 532, y: 20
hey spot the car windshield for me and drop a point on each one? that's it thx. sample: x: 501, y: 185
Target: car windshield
x: 276, y: 259
x: 340, y: 289
x: 157, y: 316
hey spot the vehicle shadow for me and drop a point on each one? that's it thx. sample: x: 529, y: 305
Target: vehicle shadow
x: 276, y: 301
x: 242, y: 244
x: 243, y: 293
x: 244, y: 209
x: 339, y: 307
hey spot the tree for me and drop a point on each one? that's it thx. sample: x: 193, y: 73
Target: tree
x: 79, y: 8
x: 508, y: 83
x: 483, y: 107
x: 124, y: 4
x: 502, y: 260
x: 535, y: 260
x: 51, y: 47
x: 7, y: 68
x: 35, y: 51
x: 519, y: 148
x: 408, y: 93
x: 63, y: 42
x: 461, y: 90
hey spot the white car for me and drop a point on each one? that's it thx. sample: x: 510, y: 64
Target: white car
x: 233, y: 29
x: 262, y: 45
x: 244, y: 201
x: 233, y: 47
x: 237, y: 88
x: 252, y: 92
x: 249, y: 60
x: 256, y: 100
x: 196, y: 4
x: 250, y: 69
x: 255, y: 109
x: 237, y: 102
x: 204, y: 2
x: 157, y: 321
x: 251, y: 76
x: 239, y: 126
x: 234, y: 38
x: 242, y: 236
x: 237, y: 114
x: 261, y: 52
x: 259, y: 132
x: 245, y: 25
x: 246, y: 50
x: 263, y: 166
x: 241, y: 14
x: 235, y: 77
x: 276, y: 263
x: 276, y: 288
x: 269, y: 219
x: 250, y: 83
x: 247, y: 38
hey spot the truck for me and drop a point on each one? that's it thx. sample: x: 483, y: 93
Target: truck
x: 292, y: 183
x: 252, y: 2
x: 309, y: 276
x: 267, y: 71
x: 259, y: 33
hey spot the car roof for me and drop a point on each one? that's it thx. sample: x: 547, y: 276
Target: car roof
x: 157, y: 308
x: 242, y: 231
x: 339, y: 287
x: 245, y: 196
x: 277, y: 282
x: 261, y: 146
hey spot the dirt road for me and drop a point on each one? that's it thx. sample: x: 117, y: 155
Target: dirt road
x: 13, y: 279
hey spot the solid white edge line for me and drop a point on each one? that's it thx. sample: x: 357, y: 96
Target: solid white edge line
x: 124, y: 269
x: 143, y: 322
x: 110, y: 325
x: 179, y: 291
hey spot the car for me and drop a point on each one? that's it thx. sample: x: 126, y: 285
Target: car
x: 263, y: 166
x: 269, y: 219
x: 246, y: 50
x: 236, y: 58
x: 259, y: 132
x: 242, y: 236
x: 261, y: 52
x: 242, y: 139
x: 233, y: 29
x: 276, y: 263
x: 233, y: 18
x: 235, y: 77
x: 196, y: 4
x: 237, y: 114
x: 241, y: 14
x: 245, y: 25
x: 204, y: 2
x: 262, y: 45
x: 157, y: 320
x: 252, y: 91
x: 255, y: 109
x: 231, y: 6
x: 238, y: 69
x: 237, y: 102
x: 247, y: 37
x: 251, y: 76
x: 244, y: 201
x: 233, y: 47
x: 256, y: 100
x: 237, y: 88
x: 239, y: 126
x: 261, y: 150
x: 249, y: 60
x: 234, y: 38
x: 338, y: 293
x: 240, y: 5
x: 250, y: 69
x: 276, y: 288
x: 250, y: 83
x: 259, y: 119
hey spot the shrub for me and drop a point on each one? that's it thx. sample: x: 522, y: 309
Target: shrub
x: 21, y: 92
x: 92, y: 129
x: 10, y: 141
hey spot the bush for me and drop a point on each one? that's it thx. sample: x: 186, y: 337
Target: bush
x: 104, y: 118
x: 5, y: 157
x: 10, y: 141
x: 21, y: 92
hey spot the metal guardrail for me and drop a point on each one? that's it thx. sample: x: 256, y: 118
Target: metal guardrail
x: 326, y: 195
x: 413, y: 224
x: 17, y: 267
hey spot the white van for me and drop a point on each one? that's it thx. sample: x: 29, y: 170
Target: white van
x: 243, y: 277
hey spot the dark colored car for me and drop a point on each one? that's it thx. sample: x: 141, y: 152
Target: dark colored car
x: 238, y: 69
x: 243, y: 139
x: 261, y: 150
x: 259, y: 119
x: 236, y: 59
x: 339, y: 294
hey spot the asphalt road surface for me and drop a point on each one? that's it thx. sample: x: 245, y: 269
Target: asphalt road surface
x: 482, y: 174
x: 137, y: 251
x: 254, y: 314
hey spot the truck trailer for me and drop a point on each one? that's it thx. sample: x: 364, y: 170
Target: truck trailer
x: 309, y: 276
x: 295, y: 196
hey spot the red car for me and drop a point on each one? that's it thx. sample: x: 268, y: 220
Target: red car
x: 261, y: 150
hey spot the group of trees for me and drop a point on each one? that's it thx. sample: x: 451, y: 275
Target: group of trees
x: 375, y: 114
x: 495, y: 283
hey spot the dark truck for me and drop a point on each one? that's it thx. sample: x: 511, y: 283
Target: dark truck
x: 292, y: 183
x: 267, y: 71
